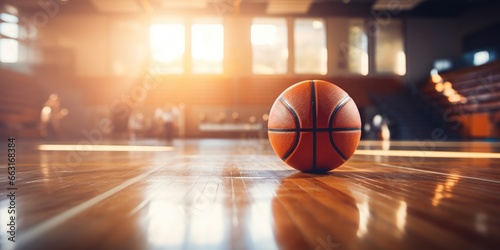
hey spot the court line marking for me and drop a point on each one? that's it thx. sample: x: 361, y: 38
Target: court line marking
x: 138, y: 208
x: 428, y: 154
x: 90, y: 147
x: 439, y: 173
x: 292, y: 130
x: 57, y: 220
x: 425, y: 143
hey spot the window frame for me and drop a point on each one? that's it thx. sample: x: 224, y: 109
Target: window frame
x: 21, y: 39
x: 288, y: 43
x: 187, y: 57
x: 374, y: 66
x: 191, y: 59
x: 153, y: 62
x: 293, y: 54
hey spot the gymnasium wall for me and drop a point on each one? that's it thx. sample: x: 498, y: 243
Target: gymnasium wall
x: 19, y: 105
x: 426, y: 41
x: 95, y: 61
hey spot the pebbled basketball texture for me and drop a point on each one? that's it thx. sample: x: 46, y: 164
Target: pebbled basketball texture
x: 314, y: 126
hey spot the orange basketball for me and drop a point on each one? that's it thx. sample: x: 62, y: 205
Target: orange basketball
x: 314, y: 126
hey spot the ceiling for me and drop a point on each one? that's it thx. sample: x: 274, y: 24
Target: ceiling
x: 361, y: 8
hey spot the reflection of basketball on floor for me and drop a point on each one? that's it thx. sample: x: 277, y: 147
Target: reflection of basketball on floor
x: 314, y: 126
x: 315, y: 212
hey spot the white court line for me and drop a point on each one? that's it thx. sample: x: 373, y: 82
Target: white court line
x: 81, y: 147
x: 428, y: 154
x: 426, y: 142
x: 438, y: 173
x: 57, y: 220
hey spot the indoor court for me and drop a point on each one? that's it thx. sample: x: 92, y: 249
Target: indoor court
x: 162, y: 124
x: 236, y: 194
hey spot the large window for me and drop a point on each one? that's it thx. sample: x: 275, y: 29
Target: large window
x: 207, y: 46
x: 199, y: 45
x: 9, y: 38
x: 358, y: 47
x: 167, y: 43
x: 389, y: 52
x: 269, y: 39
x: 310, y: 46
x: 168, y: 46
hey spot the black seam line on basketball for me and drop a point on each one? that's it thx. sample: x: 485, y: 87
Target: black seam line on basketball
x: 297, y: 130
x: 314, y: 129
x: 284, y: 130
x: 330, y: 123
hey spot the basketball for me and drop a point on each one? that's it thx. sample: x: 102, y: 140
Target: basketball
x: 314, y: 126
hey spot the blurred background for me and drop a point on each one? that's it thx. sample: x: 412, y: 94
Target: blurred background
x: 129, y: 69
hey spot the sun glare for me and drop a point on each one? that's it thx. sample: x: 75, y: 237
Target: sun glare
x: 208, y: 42
x: 263, y: 34
x: 167, y: 42
x: 207, y: 48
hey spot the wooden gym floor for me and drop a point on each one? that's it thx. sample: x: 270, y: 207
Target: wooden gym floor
x: 236, y: 194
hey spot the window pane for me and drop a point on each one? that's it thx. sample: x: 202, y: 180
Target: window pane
x: 358, y: 48
x: 167, y: 41
x: 9, y: 18
x: 389, y: 53
x: 481, y: 57
x: 207, y: 46
x: 310, y: 46
x: 269, y: 46
x: 9, y: 50
x: 9, y: 29
x: 443, y: 64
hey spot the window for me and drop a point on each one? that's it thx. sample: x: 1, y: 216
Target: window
x: 207, y: 46
x: 9, y: 35
x: 442, y: 64
x: 167, y: 43
x: 389, y: 52
x: 481, y: 57
x: 269, y: 46
x: 310, y: 46
x: 358, y: 48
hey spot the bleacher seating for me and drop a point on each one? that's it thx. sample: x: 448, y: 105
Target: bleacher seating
x: 473, y: 99
x: 403, y: 112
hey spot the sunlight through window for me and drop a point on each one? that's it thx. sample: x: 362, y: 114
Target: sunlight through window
x: 167, y: 41
x: 9, y: 43
x: 481, y: 57
x: 401, y: 63
x: 9, y: 50
x: 269, y: 46
x: 358, y: 48
x: 310, y: 46
x: 207, y: 46
x: 390, y: 57
x: 9, y: 18
x: 263, y: 34
x: 9, y: 29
